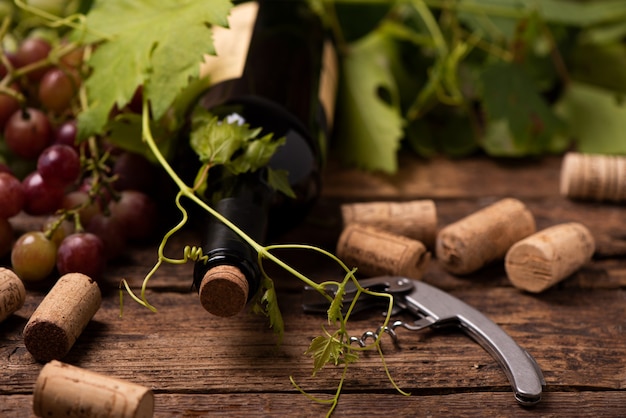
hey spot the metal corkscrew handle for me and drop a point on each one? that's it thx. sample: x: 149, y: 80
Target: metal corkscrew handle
x: 440, y: 309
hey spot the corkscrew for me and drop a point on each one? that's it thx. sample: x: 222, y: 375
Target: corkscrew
x: 435, y: 309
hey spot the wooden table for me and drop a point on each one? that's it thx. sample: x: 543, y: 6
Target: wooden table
x: 200, y: 365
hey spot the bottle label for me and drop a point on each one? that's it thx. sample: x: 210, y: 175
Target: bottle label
x: 231, y: 45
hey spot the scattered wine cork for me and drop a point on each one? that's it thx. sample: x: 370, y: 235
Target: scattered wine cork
x: 62, y: 316
x: 416, y: 219
x: 548, y: 256
x: 224, y: 290
x: 62, y: 390
x: 12, y: 293
x: 378, y: 252
x: 484, y: 236
x: 593, y: 177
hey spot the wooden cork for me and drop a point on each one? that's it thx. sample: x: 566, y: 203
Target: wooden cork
x: 62, y: 390
x: 593, y: 177
x: 12, y: 293
x: 378, y: 252
x: 416, y: 219
x: 548, y: 256
x: 62, y: 316
x: 224, y: 290
x: 478, y: 239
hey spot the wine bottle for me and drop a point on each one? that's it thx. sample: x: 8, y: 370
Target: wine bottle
x: 283, y: 83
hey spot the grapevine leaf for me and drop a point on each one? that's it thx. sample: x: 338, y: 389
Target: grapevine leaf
x: 324, y: 350
x: 334, y: 311
x: 125, y: 132
x: 279, y: 180
x: 597, y: 118
x: 519, y: 121
x: 157, y: 44
x: 370, y: 125
x: 267, y: 305
x: 230, y: 142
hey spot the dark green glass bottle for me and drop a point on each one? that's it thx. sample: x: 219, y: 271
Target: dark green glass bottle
x: 278, y: 91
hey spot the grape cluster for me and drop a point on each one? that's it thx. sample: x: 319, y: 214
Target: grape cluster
x: 94, y: 201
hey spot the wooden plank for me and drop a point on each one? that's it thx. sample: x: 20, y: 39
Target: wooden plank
x: 351, y: 405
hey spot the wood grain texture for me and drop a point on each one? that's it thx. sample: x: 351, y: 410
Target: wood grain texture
x: 200, y: 365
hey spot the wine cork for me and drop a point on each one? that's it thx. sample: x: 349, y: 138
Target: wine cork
x: 548, y: 256
x: 61, y: 317
x: 62, y: 390
x: 416, y: 219
x: 12, y: 293
x: 593, y: 177
x: 484, y: 236
x: 378, y: 252
x: 224, y: 290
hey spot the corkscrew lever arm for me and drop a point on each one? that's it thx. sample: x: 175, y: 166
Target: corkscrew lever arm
x: 438, y: 309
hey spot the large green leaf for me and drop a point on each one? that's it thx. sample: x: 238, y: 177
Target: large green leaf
x: 155, y: 43
x: 597, y: 118
x: 370, y: 123
x: 519, y: 121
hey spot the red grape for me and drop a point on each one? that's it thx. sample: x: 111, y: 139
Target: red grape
x: 137, y: 213
x: 82, y: 252
x: 134, y: 172
x: 11, y: 195
x: 57, y: 88
x: 41, y: 198
x: 33, y: 256
x: 77, y: 198
x: 6, y: 237
x: 110, y: 231
x: 65, y: 134
x: 59, y: 165
x: 5, y: 168
x: 27, y: 133
x: 31, y: 51
x: 8, y: 106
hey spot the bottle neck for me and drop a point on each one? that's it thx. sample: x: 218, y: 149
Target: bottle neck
x: 245, y: 200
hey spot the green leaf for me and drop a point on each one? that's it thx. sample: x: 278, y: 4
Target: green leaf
x: 157, y: 44
x: 324, y: 350
x: 125, y: 131
x: 334, y: 311
x: 519, y: 121
x: 279, y: 180
x: 231, y: 143
x: 597, y: 118
x: 267, y: 305
x: 370, y: 122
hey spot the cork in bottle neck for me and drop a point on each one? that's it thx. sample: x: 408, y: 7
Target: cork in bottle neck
x: 224, y: 290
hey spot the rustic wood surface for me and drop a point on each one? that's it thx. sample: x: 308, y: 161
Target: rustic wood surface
x: 199, y: 365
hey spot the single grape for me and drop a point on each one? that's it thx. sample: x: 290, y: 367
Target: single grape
x: 134, y: 172
x: 27, y: 133
x: 111, y: 232
x: 79, y: 198
x: 59, y: 165
x: 30, y: 51
x: 12, y: 196
x: 65, y: 134
x: 82, y: 252
x: 33, y: 256
x: 8, y: 106
x: 6, y: 237
x: 57, y: 88
x: 136, y: 212
x: 62, y: 229
x: 41, y: 198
